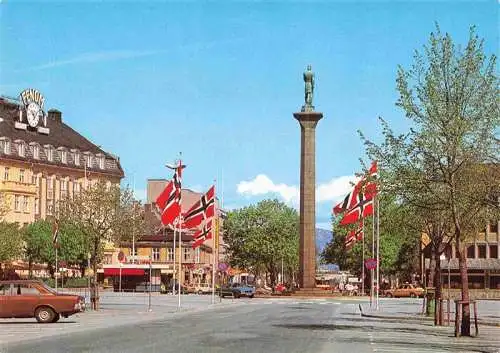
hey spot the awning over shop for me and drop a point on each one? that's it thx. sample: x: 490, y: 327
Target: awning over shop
x: 125, y: 272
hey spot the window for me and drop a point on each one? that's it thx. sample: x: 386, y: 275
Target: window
x: 494, y: 251
x: 50, y: 207
x: 64, y: 157
x: 77, y: 158
x: 6, y: 147
x: 101, y: 160
x: 25, y: 289
x: 50, y: 188
x: 156, y: 254
x: 34, y: 179
x: 197, y: 255
x: 21, y: 149
x: 17, y: 203
x: 21, y: 175
x: 170, y: 254
x: 88, y: 161
x: 37, y: 209
x: 481, y: 251
x: 36, y: 152
x: 470, y: 252
x: 133, y: 252
x: 50, y: 154
x: 6, y: 174
x: 186, y: 253
x: 494, y: 227
x: 25, y: 204
x: 76, y: 187
x: 64, y: 189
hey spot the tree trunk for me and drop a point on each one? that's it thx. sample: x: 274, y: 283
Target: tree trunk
x: 462, y: 266
x: 1, y: 272
x: 95, y: 285
x: 430, y: 296
x: 438, y: 320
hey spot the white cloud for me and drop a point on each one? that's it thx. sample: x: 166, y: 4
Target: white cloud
x: 333, y: 190
x: 262, y: 185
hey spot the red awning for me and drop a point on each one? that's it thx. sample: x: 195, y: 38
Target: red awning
x: 125, y: 272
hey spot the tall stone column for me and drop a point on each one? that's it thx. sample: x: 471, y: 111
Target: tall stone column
x: 307, y: 247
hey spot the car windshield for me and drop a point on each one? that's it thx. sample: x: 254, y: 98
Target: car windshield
x: 48, y: 288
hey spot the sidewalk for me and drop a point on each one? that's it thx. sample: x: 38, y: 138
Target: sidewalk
x: 411, y: 310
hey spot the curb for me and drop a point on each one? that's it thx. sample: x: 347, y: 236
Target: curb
x: 418, y: 318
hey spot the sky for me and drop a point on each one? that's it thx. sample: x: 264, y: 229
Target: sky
x: 220, y: 81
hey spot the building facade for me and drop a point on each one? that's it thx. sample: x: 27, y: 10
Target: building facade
x: 43, y: 160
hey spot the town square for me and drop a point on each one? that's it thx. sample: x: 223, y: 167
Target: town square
x: 249, y: 176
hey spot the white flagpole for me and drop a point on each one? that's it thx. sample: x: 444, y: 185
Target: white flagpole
x: 363, y: 263
x: 174, y: 274
x: 372, y: 273
x: 56, y: 273
x: 180, y: 263
x: 378, y: 249
x: 214, y: 242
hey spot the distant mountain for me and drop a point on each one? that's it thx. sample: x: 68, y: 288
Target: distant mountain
x: 323, y: 237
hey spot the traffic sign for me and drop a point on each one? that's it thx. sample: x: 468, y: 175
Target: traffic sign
x: 371, y: 264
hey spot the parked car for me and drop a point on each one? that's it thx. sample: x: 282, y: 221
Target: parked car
x: 26, y: 298
x: 404, y: 291
x: 237, y: 290
x: 203, y: 288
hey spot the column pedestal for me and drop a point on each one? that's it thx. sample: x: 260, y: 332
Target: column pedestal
x: 307, y: 247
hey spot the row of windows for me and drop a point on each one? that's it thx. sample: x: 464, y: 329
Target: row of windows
x: 63, y: 154
x: 170, y: 254
x: 482, y: 251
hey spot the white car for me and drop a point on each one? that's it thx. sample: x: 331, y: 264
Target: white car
x: 203, y: 288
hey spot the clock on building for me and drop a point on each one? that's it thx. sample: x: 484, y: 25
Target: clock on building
x: 33, y: 113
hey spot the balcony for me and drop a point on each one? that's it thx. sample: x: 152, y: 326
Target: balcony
x: 17, y: 187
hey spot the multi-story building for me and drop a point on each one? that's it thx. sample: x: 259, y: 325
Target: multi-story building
x: 43, y: 160
x: 483, y: 264
x: 131, y: 260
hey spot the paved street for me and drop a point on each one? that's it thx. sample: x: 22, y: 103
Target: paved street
x: 247, y: 325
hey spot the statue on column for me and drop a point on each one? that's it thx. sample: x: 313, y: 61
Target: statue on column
x: 308, y: 90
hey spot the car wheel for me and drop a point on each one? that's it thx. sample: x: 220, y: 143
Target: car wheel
x: 412, y: 295
x: 250, y: 296
x: 236, y: 295
x: 56, y: 318
x: 389, y: 295
x: 200, y: 292
x: 44, y: 315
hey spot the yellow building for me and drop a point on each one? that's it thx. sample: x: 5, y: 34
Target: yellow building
x: 43, y: 160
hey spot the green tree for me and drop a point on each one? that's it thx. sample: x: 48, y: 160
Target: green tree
x: 39, y: 247
x: 102, y: 213
x: 446, y: 166
x: 260, y: 237
x: 11, y: 243
x: 398, y: 249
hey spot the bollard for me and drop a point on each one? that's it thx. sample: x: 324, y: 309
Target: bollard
x: 449, y: 309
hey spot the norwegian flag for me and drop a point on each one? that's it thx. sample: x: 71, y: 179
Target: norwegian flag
x: 359, y: 203
x: 203, y: 234
x: 202, y: 210
x: 364, y: 208
x: 169, y: 201
x: 354, y: 235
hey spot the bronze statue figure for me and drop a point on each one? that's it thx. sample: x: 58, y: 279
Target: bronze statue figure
x: 309, y: 90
